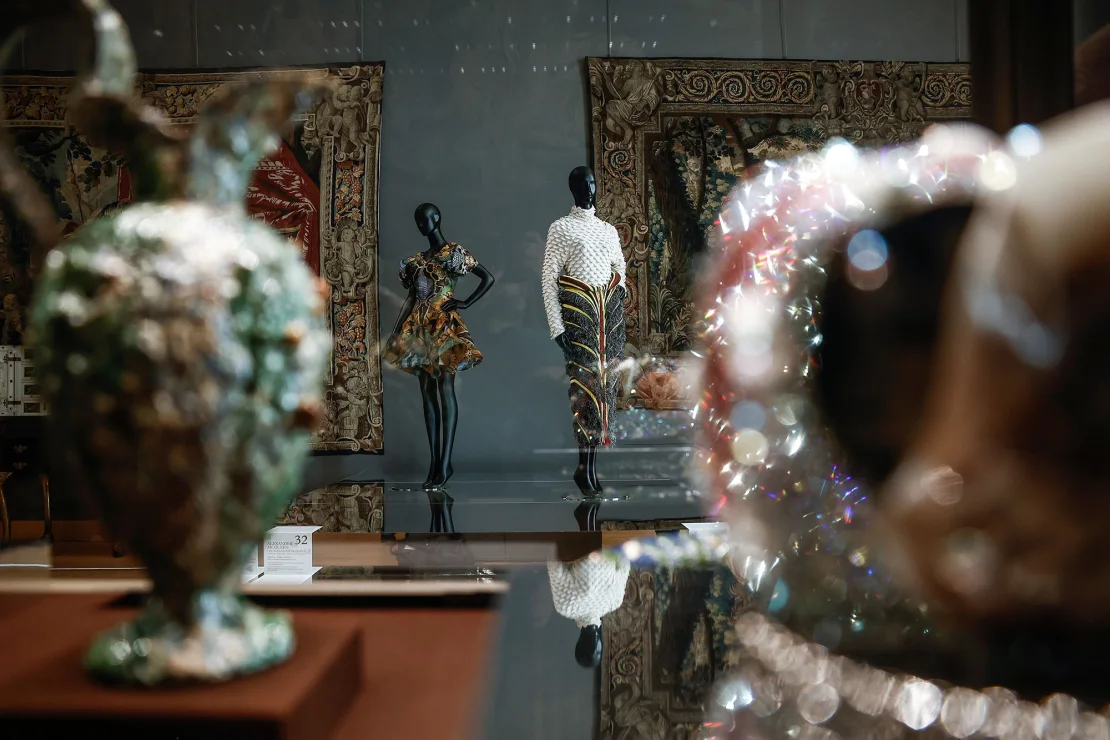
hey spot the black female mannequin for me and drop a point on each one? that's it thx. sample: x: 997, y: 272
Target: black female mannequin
x: 582, y: 263
x: 583, y: 187
x: 441, y: 410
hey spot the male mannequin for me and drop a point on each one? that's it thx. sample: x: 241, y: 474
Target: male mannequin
x: 583, y: 293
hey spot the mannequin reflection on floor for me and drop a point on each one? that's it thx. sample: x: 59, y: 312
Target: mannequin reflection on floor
x: 586, y: 516
x: 430, y: 340
x: 441, y: 504
x: 586, y: 590
x: 587, y: 651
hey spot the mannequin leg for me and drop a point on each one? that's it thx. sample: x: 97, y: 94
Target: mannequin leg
x: 582, y: 472
x: 449, y: 418
x: 595, y: 482
x: 429, y: 394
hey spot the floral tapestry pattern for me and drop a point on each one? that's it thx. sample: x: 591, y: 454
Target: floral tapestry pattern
x: 672, y: 136
x: 319, y: 189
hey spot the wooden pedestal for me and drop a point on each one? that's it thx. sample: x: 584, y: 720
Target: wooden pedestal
x: 303, y: 699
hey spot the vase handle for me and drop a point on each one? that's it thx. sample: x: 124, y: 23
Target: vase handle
x: 239, y: 126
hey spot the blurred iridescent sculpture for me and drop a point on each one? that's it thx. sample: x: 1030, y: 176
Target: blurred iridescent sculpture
x: 946, y: 527
x: 802, y: 509
x: 999, y: 510
x: 182, y: 347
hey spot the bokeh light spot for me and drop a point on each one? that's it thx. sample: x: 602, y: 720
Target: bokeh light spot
x: 750, y: 447
x: 1025, y: 140
x: 867, y: 251
x: 748, y: 415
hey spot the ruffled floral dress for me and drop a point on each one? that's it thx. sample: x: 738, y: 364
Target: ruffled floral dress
x: 431, y: 339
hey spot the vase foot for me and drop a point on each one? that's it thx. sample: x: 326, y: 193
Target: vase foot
x: 231, y: 637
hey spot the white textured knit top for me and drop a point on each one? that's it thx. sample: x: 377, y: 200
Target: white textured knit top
x: 583, y: 246
x: 588, y: 589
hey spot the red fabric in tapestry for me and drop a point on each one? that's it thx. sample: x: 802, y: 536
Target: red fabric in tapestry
x: 286, y: 198
x: 281, y: 195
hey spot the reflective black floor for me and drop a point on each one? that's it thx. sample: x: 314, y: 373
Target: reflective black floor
x: 510, y: 506
x: 663, y: 647
x: 642, y: 484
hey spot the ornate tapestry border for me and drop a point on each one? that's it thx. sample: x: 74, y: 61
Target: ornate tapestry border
x: 346, y: 128
x: 864, y: 102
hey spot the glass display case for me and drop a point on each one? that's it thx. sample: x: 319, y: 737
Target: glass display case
x: 552, y: 367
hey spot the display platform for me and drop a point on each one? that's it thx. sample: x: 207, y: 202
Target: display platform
x: 432, y: 581
x: 303, y: 699
x: 418, y: 673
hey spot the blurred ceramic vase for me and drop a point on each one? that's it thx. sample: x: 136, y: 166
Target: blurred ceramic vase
x: 182, y: 348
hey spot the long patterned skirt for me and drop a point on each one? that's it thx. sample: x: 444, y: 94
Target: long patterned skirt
x: 593, y: 316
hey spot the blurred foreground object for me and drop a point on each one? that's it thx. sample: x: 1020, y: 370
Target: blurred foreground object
x: 999, y: 512
x: 1092, y: 68
x: 181, y: 349
x: 981, y: 561
x: 799, y: 504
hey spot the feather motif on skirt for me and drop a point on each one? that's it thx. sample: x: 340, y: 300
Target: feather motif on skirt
x: 594, y: 319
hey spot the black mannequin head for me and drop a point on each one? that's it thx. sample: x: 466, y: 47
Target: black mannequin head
x: 427, y: 218
x: 582, y: 186
x: 588, y: 650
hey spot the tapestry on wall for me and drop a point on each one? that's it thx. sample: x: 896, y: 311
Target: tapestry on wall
x: 672, y: 136
x: 319, y: 189
x: 664, y: 648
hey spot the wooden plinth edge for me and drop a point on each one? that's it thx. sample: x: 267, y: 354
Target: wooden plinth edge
x: 302, y: 699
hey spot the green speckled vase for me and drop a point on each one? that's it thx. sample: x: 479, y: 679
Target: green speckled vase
x: 182, y: 349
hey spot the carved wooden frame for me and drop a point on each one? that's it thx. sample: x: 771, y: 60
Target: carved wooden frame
x: 346, y: 127
x: 865, y: 102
